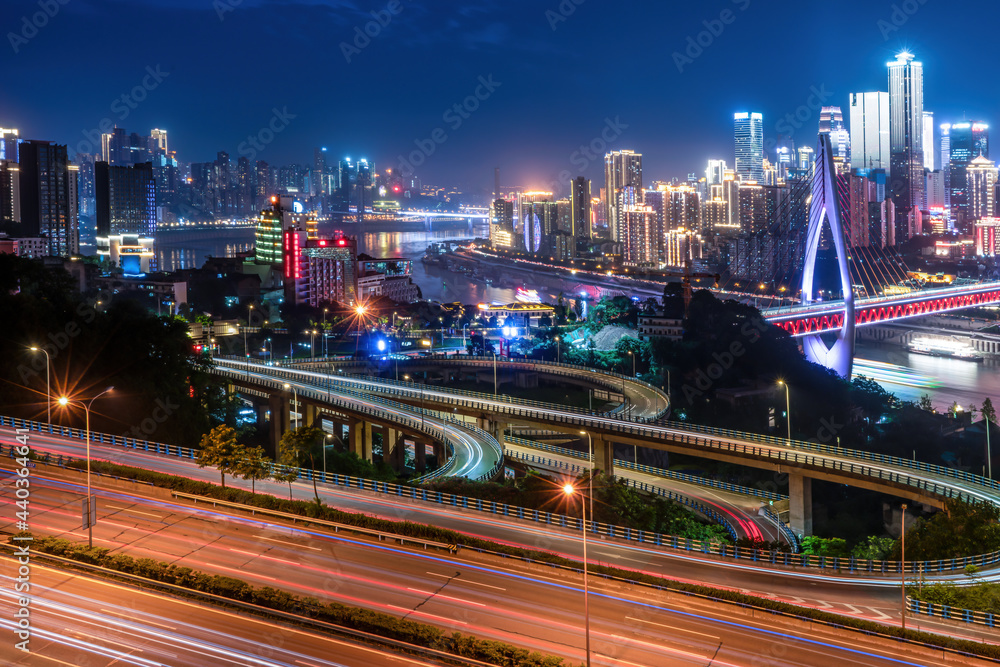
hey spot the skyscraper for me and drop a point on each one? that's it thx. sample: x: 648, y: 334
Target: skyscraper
x: 622, y: 169
x: 580, y: 196
x: 749, y: 136
x: 159, y: 139
x: 715, y: 172
x: 982, y: 179
x: 906, y: 129
x: 8, y: 144
x: 968, y: 140
x: 869, y: 114
x: 831, y: 122
x: 929, y: 149
x: 126, y: 200
x: 49, y: 195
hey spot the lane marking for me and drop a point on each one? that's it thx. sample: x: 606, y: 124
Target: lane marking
x: 286, y: 543
x: 466, y: 581
x: 138, y: 619
x: 670, y: 627
x: 128, y: 509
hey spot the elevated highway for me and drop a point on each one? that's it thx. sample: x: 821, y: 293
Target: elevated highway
x: 802, y: 461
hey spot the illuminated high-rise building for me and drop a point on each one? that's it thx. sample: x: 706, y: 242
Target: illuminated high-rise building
x: 580, y: 198
x: 49, y: 206
x: 10, y: 191
x: 638, y: 226
x: 929, y: 144
x: 831, y: 122
x: 622, y: 170
x: 869, y: 116
x: 715, y: 172
x: 906, y: 129
x: 159, y: 139
x: 982, y: 180
x: 8, y: 144
x: 749, y: 139
x: 967, y: 141
x: 125, y: 200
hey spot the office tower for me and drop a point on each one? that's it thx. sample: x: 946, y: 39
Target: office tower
x: 8, y: 144
x: 366, y: 171
x: 715, y: 172
x: 225, y: 193
x: 638, y: 227
x: 857, y: 228
x: 49, y: 203
x: 946, y: 161
x: 967, y: 141
x: 622, y: 170
x: 345, y: 182
x: 935, y: 190
x: 906, y: 128
x: 502, y: 224
x: 731, y: 195
x: 126, y: 200
x: 319, y: 179
x: 806, y: 157
x: 929, y: 145
x: 10, y: 191
x: 245, y: 189
x: 580, y: 198
x: 753, y: 214
x: 869, y: 115
x: 539, y: 221
x: 564, y: 216
x: 982, y: 180
x: 159, y: 139
x: 749, y: 136
x: 680, y: 246
x: 831, y: 123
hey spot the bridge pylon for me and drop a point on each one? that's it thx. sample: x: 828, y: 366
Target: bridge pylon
x: 825, y: 207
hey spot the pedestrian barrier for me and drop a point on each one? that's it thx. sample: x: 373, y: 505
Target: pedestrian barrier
x: 969, y: 616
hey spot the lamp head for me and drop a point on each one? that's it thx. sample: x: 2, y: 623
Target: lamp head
x: 63, y: 401
x: 569, y: 490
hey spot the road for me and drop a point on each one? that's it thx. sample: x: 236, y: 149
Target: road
x: 739, y: 510
x: 524, y: 604
x: 79, y: 620
x: 865, y: 596
x: 835, y: 464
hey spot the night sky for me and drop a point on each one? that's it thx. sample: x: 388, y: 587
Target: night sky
x: 230, y: 63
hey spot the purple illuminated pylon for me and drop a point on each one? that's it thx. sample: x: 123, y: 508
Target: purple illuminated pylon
x: 825, y: 207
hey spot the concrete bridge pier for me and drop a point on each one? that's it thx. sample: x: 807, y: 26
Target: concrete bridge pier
x: 280, y: 407
x: 360, y: 437
x: 393, y: 448
x: 604, y: 453
x: 800, y: 510
x: 497, y: 428
x: 310, y: 414
x: 420, y: 456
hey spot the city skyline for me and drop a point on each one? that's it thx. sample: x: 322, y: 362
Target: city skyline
x: 677, y: 137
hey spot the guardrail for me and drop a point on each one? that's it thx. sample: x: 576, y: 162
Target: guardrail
x: 969, y: 616
x: 99, y: 438
x: 852, y: 565
x: 337, y: 527
x: 601, y: 377
x: 788, y: 451
x: 339, y: 400
x: 650, y: 470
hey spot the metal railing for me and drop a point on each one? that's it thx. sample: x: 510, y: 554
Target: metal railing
x: 970, y: 616
x: 851, y: 564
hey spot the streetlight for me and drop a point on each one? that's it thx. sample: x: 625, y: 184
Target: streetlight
x: 633, y: 362
x: 569, y: 491
x: 325, y: 354
x: 295, y: 397
x: 590, y: 457
x: 788, y: 410
x: 269, y: 349
x: 558, y: 351
x: 495, y: 392
x: 90, y: 507
x: 421, y: 387
x: 48, y: 386
x: 246, y: 348
x: 902, y: 565
x: 464, y: 344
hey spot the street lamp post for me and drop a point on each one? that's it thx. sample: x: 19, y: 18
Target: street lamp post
x: 48, y: 385
x: 788, y: 409
x: 295, y: 403
x: 91, y: 508
x: 464, y: 344
x: 569, y: 491
x: 558, y: 351
x: 590, y: 457
x: 902, y: 565
x: 246, y: 347
x: 495, y: 385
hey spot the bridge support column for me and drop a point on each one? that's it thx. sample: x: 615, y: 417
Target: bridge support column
x: 361, y: 439
x: 496, y: 429
x: 310, y: 414
x: 280, y: 418
x: 420, y: 456
x: 440, y: 453
x: 604, y: 453
x: 393, y: 449
x: 800, y: 506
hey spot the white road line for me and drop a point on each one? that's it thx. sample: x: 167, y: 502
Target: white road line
x: 671, y: 627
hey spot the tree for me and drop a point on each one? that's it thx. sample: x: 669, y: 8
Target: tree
x: 925, y: 403
x: 989, y: 413
x: 285, y: 475
x: 220, y: 448
x: 253, y: 466
x: 300, y: 446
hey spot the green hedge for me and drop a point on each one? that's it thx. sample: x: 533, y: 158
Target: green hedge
x: 365, y: 620
x: 433, y: 533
